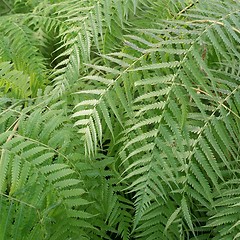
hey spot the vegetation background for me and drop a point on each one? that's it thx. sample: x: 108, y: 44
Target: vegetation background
x: 119, y: 119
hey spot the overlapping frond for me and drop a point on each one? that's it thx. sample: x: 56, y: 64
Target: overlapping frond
x: 37, y: 177
x: 84, y: 27
x: 119, y: 119
x: 174, y: 137
x: 19, y: 46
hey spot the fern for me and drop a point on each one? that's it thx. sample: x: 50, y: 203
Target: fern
x: 119, y: 119
x: 36, y: 164
x: 164, y: 146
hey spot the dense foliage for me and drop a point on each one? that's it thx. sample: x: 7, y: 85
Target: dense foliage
x: 119, y: 119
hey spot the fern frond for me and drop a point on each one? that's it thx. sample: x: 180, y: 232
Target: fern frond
x: 119, y: 119
x: 21, y: 49
x: 177, y: 157
x: 27, y: 163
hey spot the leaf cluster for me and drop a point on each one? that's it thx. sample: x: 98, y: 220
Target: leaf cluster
x: 119, y: 119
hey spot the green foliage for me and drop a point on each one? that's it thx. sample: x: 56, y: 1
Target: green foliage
x: 119, y: 119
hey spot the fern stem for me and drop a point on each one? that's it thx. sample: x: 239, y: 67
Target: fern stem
x: 215, y: 22
x: 186, y: 8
